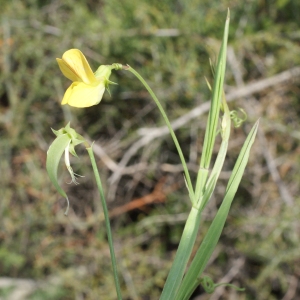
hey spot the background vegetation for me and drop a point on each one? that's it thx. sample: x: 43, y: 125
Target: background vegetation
x: 48, y: 256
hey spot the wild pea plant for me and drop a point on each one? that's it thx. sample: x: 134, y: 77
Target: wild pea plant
x: 86, y: 90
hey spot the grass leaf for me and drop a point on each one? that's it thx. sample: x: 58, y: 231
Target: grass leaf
x: 213, y: 234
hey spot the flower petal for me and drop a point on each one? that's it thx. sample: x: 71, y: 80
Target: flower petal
x: 77, y: 64
x: 67, y: 71
x: 80, y: 94
x: 68, y: 93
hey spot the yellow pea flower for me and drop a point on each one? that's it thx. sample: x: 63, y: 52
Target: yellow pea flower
x: 87, y: 88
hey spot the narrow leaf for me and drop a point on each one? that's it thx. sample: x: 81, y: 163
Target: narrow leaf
x: 215, y: 173
x: 182, y: 255
x: 213, y: 234
x: 213, y: 116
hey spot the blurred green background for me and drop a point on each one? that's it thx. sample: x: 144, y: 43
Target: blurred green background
x: 44, y: 255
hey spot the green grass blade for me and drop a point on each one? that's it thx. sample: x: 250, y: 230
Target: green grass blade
x: 211, y: 238
x: 212, y: 123
x: 182, y: 256
x: 215, y: 173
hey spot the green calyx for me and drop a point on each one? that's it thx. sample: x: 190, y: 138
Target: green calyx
x: 103, y: 73
x: 75, y: 138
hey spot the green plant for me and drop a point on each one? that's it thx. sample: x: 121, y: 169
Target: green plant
x: 178, y: 286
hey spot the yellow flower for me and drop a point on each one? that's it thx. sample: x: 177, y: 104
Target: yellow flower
x: 87, y: 88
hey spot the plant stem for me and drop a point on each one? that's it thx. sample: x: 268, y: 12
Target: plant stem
x: 186, y: 172
x: 107, y: 223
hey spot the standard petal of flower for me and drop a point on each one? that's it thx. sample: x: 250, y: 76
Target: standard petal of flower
x: 80, y: 94
x: 67, y: 71
x: 77, y: 62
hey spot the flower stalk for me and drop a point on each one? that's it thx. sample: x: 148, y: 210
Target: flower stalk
x: 166, y: 119
x: 107, y: 222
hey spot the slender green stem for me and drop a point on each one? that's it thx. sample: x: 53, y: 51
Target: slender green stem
x: 186, y: 172
x: 107, y: 223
